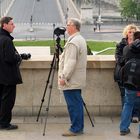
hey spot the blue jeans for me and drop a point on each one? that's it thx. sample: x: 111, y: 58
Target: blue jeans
x: 130, y: 97
x: 75, y: 108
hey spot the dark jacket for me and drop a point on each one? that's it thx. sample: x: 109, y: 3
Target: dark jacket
x: 132, y: 53
x: 119, y: 59
x: 9, y: 60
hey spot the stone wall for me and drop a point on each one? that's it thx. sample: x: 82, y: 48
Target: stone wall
x: 101, y: 94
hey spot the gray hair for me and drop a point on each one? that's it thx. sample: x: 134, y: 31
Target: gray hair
x: 76, y: 22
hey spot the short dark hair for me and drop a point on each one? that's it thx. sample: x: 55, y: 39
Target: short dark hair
x: 136, y: 35
x: 5, y: 20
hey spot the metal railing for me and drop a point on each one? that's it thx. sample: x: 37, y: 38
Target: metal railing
x: 104, y: 50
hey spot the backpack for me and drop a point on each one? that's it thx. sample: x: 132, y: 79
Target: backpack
x: 131, y: 74
x: 118, y: 73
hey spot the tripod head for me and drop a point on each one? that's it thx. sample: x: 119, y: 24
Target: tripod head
x: 57, y: 32
x: 58, y: 48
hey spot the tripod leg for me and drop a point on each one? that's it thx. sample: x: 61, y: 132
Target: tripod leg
x: 50, y: 86
x: 47, y: 109
x: 46, y: 87
x: 88, y: 114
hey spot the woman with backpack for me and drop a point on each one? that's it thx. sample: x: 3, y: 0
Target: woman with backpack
x: 131, y: 82
x: 126, y: 40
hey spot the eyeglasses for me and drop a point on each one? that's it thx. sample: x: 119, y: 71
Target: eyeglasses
x: 70, y: 25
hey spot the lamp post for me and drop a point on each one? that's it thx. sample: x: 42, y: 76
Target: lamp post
x: 31, y: 18
x: 0, y: 9
x: 66, y: 11
x: 99, y: 12
x: 99, y: 16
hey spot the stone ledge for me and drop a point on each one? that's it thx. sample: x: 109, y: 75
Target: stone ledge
x: 100, y: 61
x: 93, y: 61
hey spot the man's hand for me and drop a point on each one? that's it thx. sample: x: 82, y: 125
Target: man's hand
x: 62, y: 82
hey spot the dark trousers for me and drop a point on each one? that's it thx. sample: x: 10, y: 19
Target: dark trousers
x: 7, y: 101
x: 122, y: 93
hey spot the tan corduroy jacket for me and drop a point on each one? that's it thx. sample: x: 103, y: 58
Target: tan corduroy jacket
x: 72, y: 64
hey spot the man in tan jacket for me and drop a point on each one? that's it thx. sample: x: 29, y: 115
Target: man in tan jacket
x: 72, y: 76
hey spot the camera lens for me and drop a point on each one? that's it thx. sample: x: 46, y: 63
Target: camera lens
x: 25, y: 56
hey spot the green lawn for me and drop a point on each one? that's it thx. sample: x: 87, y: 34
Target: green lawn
x: 35, y: 43
x: 98, y: 46
x: 93, y: 45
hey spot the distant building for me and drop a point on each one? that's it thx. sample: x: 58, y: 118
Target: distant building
x: 113, y: 2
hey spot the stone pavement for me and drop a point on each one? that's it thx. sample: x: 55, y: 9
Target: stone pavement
x: 106, y: 128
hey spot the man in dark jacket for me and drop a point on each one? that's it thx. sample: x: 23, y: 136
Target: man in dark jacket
x: 9, y: 73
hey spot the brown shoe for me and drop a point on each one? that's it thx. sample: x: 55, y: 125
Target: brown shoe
x: 69, y: 134
x: 123, y: 133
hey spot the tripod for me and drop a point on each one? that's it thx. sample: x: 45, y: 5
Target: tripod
x: 49, y: 82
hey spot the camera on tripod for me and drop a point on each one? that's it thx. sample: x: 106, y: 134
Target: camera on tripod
x: 25, y: 56
x: 59, y: 31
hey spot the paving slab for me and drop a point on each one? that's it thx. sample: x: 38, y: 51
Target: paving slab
x: 106, y: 128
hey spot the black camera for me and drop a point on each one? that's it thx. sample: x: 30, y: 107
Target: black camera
x: 25, y: 56
x: 59, y: 31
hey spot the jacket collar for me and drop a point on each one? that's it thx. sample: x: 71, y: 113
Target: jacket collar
x: 135, y: 46
x: 6, y: 33
x: 124, y: 41
x: 72, y: 36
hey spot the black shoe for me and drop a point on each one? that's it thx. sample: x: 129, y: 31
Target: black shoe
x: 123, y: 133
x: 9, y: 127
x: 138, y: 136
